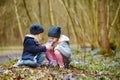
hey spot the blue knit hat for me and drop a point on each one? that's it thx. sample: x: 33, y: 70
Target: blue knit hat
x: 36, y: 29
x: 54, y: 31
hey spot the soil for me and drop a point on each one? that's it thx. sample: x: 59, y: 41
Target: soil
x: 9, y: 54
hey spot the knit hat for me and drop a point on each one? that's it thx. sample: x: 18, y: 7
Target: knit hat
x: 54, y: 31
x: 36, y: 29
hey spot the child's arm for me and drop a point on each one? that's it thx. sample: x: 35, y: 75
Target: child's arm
x: 32, y: 47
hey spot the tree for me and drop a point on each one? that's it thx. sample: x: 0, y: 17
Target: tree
x: 27, y: 12
x: 40, y: 15
x: 18, y: 20
x: 51, y: 13
x: 104, y: 41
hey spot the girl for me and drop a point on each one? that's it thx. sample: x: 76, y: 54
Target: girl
x: 61, y: 54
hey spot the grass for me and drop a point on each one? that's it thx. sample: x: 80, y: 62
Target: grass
x: 96, y: 67
x: 9, y: 49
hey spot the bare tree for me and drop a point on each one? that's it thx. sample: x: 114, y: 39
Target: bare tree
x: 51, y: 13
x: 104, y: 41
x: 67, y: 23
x: 18, y: 20
x: 40, y: 15
x: 27, y: 12
x: 73, y: 25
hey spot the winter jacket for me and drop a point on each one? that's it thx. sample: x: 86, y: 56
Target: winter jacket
x: 63, y: 46
x: 31, y: 48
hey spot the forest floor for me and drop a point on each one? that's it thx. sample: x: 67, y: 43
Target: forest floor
x: 96, y: 67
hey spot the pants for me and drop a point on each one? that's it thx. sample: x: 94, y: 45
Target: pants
x: 55, y: 58
x: 32, y: 63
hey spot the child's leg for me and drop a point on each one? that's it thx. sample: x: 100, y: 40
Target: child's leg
x: 19, y: 63
x: 59, y: 58
x: 30, y: 63
x: 67, y: 61
x: 51, y: 57
x: 40, y: 59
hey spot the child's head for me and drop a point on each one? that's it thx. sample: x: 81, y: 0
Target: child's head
x: 36, y: 30
x: 54, y: 33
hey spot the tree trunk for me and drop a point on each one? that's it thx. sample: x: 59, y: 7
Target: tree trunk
x: 68, y: 31
x: 27, y: 12
x: 18, y: 20
x: 104, y: 41
x: 40, y: 15
x: 51, y: 13
x: 73, y: 25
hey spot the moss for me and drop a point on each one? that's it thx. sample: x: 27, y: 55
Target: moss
x: 113, y: 44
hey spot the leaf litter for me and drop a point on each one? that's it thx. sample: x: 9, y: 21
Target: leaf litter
x: 96, y: 67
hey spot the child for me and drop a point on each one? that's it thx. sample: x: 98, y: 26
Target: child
x: 61, y: 54
x: 33, y: 54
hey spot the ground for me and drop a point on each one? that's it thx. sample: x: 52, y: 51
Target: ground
x: 96, y: 67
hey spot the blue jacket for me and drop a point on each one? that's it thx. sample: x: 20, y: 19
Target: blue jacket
x: 31, y: 48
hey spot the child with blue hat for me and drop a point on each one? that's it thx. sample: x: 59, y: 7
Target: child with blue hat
x: 33, y: 53
x: 61, y: 53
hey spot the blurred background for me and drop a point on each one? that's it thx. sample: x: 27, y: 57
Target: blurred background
x: 93, y: 27
x: 80, y: 20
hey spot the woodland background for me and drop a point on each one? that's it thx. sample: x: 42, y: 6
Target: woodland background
x: 79, y: 19
x: 93, y: 27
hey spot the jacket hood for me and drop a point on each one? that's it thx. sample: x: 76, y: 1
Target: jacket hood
x: 63, y: 38
x: 30, y: 35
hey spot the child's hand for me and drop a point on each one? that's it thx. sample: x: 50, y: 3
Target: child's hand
x: 50, y: 42
x: 48, y: 46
